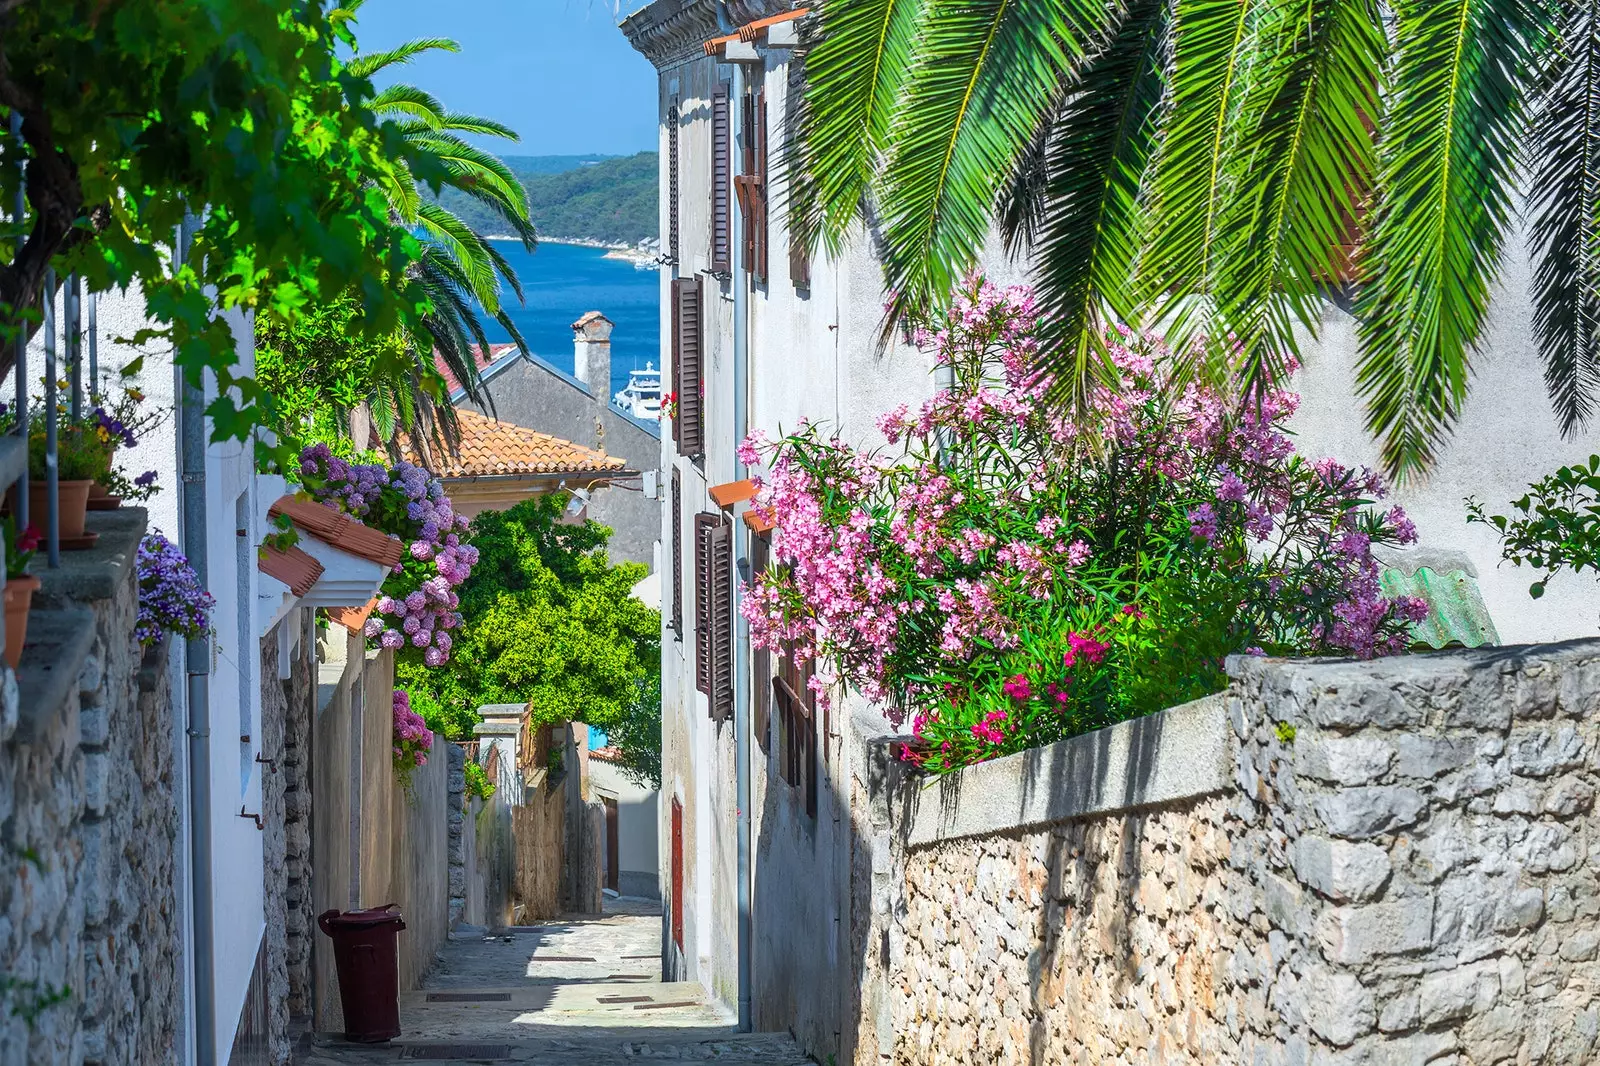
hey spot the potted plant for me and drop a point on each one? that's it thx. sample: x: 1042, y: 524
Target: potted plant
x: 20, y: 586
x: 81, y: 457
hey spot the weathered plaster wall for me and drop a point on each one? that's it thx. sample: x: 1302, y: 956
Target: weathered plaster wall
x: 373, y: 842
x: 87, y: 889
x: 1393, y: 862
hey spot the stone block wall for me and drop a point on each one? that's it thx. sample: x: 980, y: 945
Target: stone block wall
x: 89, y: 937
x: 1370, y: 863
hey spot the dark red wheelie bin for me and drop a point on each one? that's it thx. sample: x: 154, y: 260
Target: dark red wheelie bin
x: 365, y: 954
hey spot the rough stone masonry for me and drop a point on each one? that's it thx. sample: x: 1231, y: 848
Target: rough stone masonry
x: 89, y: 938
x: 1394, y: 863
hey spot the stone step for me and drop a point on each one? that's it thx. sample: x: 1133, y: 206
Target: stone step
x: 619, y: 1048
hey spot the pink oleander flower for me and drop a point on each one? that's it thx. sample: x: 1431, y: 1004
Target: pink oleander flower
x: 1018, y: 688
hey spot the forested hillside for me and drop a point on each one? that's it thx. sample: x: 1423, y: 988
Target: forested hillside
x: 602, y: 199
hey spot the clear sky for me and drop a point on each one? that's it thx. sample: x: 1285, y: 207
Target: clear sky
x: 559, y: 72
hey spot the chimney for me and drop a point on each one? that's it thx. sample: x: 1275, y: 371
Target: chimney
x: 591, y: 364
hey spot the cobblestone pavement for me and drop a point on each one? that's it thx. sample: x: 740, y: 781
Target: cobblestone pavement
x: 577, y: 992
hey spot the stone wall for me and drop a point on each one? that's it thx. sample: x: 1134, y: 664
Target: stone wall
x: 1335, y: 863
x: 89, y: 938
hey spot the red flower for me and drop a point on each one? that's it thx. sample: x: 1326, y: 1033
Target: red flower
x: 28, y: 539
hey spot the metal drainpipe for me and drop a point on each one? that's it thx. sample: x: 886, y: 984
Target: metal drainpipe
x: 21, y: 211
x: 197, y: 664
x: 52, y: 525
x: 741, y: 543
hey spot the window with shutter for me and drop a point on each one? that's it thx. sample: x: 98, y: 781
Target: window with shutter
x: 751, y: 184
x: 722, y: 622
x: 677, y: 552
x: 761, y: 666
x: 705, y: 527
x: 796, y: 705
x: 672, y: 180
x: 688, y: 429
x: 721, y: 180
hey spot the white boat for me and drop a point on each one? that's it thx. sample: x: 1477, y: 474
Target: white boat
x: 642, y: 396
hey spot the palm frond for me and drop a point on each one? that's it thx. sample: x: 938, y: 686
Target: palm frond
x: 407, y: 101
x: 1444, y: 196
x: 486, y: 127
x: 856, y: 58
x: 365, y: 66
x: 466, y: 249
x: 1307, y: 162
x: 1199, y: 142
x: 985, y: 75
x: 1089, y: 224
x: 1565, y: 153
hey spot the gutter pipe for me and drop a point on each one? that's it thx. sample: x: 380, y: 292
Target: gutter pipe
x: 20, y: 209
x: 741, y: 542
x: 197, y: 665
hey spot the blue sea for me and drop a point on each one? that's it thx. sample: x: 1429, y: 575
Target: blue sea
x: 561, y: 282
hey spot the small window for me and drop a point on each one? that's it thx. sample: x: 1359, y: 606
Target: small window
x: 761, y: 682
x: 797, y: 739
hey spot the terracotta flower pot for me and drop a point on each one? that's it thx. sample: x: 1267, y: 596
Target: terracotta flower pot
x: 18, y: 598
x: 74, y: 497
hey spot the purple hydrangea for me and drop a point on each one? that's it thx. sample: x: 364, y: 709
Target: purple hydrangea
x: 407, y: 502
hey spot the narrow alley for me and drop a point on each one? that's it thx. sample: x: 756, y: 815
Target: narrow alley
x: 584, y: 992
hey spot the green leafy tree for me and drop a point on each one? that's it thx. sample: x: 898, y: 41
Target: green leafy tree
x: 135, y: 115
x: 1211, y: 163
x: 550, y: 622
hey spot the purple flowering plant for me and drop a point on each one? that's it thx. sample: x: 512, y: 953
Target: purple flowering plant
x: 418, y: 604
x: 171, y: 598
x: 1006, y: 575
x: 412, y: 739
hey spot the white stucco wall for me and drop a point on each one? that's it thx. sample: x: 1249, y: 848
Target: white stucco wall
x: 1507, y: 437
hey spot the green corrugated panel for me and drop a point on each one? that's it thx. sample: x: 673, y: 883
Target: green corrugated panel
x: 1456, y: 611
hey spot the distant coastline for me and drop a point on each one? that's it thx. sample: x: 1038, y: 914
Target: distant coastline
x: 614, y: 249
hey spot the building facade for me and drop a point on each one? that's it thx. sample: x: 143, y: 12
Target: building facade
x: 757, y: 335
x: 757, y: 854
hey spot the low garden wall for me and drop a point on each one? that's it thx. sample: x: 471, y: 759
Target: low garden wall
x: 1335, y: 862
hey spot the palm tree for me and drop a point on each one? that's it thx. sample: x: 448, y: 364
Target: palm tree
x: 1212, y: 164
x: 460, y: 270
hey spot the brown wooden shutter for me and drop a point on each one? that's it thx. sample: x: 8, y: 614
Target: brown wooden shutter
x: 705, y: 527
x: 797, y: 719
x: 672, y: 181
x: 677, y: 873
x: 722, y: 622
x: 721, y: 180
x: 689, y: 426
x: 761, y: 668
x: 677, y: 552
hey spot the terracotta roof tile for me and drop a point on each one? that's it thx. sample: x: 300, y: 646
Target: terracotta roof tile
x: 716, y: 44
x: 482, y: 357
x: 588, y: 317
x: 353, y: 618
x: 491, y: 448
x: 340, y: 530
x: 609, y: 753
x: 752, y: 30
x: 726, y: 495
x: 292, y: 566
x: 757, y: 523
